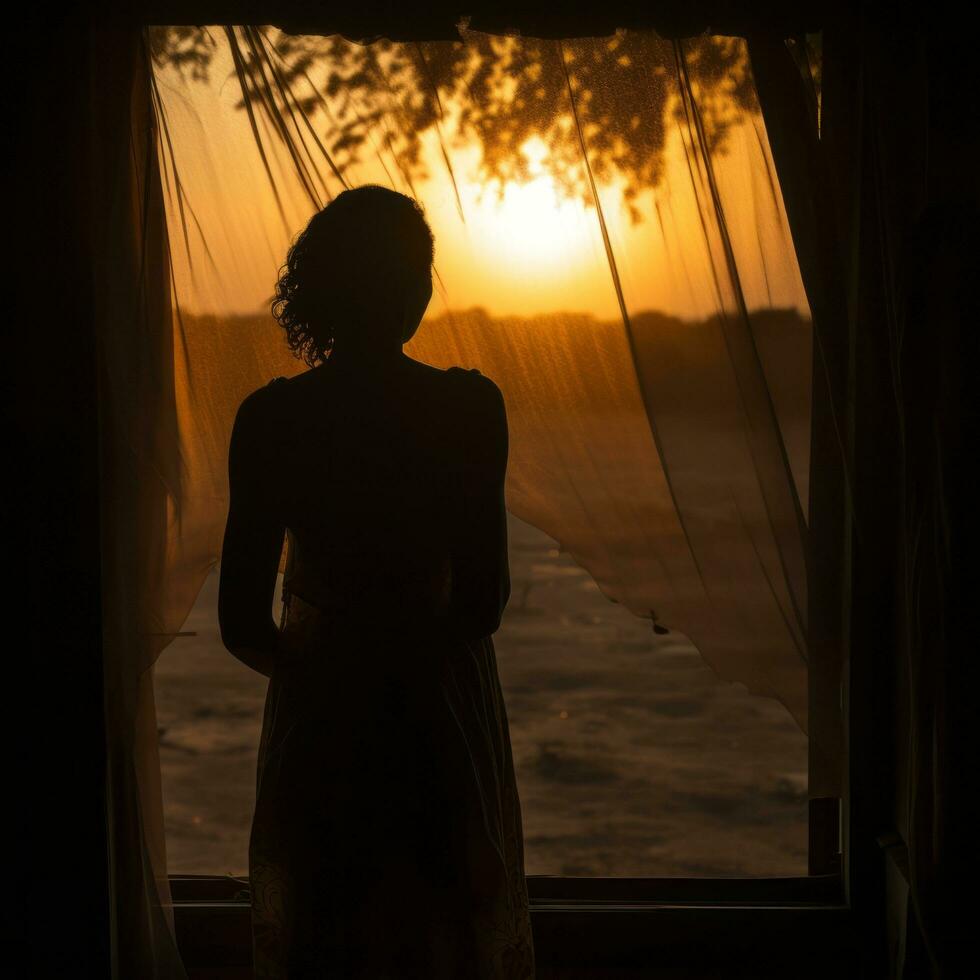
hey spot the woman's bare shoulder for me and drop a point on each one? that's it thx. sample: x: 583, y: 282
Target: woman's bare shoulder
x: 259, y: 404
x: 478, y: 402
x: 472, y: 379
x: 458, y: 382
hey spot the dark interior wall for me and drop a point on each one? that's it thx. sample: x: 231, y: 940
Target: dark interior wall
x: 668, y: 943
x: 55, y: 693
x: 938, y: 261
x: 900, y: 135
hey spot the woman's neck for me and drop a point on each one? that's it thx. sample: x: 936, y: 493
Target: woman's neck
x: 373, y: 357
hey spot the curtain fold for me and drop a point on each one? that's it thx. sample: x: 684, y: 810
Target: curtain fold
x: 883, y: 203
x: 140, y: 487
x: 612, y: 249
x: 786, y: 96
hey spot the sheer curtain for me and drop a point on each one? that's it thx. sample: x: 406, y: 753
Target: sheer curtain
x: 611, y: 248
x: 139, y: 469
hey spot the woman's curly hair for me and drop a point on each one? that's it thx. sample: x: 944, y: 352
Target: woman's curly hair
x: 351, y: 269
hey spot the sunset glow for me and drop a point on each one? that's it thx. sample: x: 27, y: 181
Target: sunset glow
x: 526, y: 228
x: 521, y: 244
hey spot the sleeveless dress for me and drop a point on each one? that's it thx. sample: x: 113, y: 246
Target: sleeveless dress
x: 387, y: 837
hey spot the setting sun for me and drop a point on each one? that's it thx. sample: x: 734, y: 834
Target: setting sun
x: 527, y: 227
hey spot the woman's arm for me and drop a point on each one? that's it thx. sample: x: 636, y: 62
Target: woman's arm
x: 481, y: 575
x: 252, y: 545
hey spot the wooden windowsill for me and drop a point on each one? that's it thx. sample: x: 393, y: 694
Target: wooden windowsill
x: 783, y: 926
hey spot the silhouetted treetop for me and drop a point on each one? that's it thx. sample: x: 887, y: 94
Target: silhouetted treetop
x: 620, y: 96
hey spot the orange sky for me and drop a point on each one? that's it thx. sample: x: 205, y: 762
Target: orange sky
x: 529, y: 252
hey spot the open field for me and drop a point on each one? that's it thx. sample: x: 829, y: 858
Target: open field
x: 632, y: 757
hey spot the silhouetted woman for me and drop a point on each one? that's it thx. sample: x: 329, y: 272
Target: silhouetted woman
x: 387, y: 840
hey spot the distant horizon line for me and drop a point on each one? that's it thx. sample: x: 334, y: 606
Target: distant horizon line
x: 482, y: 311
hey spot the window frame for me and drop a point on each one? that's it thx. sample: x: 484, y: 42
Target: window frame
x: 617, y: 922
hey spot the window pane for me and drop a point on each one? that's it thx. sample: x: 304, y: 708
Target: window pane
x: 632, y: 757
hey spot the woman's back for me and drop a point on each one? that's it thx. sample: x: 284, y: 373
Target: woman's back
x: 386, y: 840
x: 389, y: 480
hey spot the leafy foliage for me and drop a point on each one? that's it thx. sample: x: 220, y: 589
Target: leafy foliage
x: 188, y: 50
x: 617, y: 96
